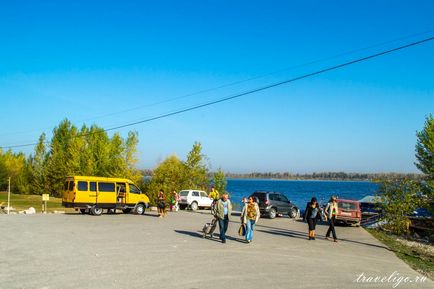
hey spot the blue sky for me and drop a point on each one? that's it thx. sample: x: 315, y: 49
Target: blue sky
x: 114, y: 62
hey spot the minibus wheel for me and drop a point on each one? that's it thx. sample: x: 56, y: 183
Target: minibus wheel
x: 96, y: 211
x: 140, y: 209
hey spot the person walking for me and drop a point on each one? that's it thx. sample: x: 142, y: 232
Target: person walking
x: 214, y: 195
x: 176, y: 201
x: 249, y: 217
x: 311, y: 214
x: 161, y: 204
x: 331, y: 213
x: 173, y: 201
x: 223, y: 211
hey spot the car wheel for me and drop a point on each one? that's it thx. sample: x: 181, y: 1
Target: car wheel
x: 293, y: 212
x: 140, y: 209
x: 194, y: 206
x: 126, y: 211
x: 272, y: 214
x: 96, y: 211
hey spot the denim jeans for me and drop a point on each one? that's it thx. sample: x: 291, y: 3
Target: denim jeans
x: 250, y: 226
x: 223, y: 225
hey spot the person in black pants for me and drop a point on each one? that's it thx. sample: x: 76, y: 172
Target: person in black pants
x: 331, y: 212
x: 311, y: 215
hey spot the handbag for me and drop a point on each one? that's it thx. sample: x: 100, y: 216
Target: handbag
x: 242, y: 230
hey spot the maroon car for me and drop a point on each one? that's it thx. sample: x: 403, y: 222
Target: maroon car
x: 349, y: 212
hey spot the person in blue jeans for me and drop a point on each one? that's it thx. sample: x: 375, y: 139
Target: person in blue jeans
x: 249, y: 217
x: 223, y: 213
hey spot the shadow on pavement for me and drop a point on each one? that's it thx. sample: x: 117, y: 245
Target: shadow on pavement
x: 196, y: 234
x: 297, y: 234
x: 363, y: 243
x: 286, y: 233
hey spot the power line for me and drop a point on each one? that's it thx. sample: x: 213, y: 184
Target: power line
x: 215, y: 88
x: 264, y: 75
x: 195, y: 107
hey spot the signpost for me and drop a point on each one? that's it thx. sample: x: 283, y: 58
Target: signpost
x: 45, y: 198
x: 9, y: 195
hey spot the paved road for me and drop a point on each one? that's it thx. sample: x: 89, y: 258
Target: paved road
x: 129, y: 251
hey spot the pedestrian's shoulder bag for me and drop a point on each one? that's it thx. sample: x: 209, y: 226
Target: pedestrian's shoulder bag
x: 242, y: 230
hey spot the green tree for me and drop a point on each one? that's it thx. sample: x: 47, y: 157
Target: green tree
x: 88, y: 151
x: 168, y: 176
x: 130, y: 157
x: 220, y: 181
x: 425, y: 161
x: 195, y: 169
x: 3, y: 173
x: 400, y: 199
x: 13, y: 165
x: 425, y: 149
x: 38, y: 167
x: 63, y: 156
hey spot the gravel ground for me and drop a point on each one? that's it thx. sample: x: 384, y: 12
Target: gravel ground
x: 129, y: 251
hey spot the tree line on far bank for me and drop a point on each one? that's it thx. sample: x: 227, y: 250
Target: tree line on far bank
x: 332, y: 176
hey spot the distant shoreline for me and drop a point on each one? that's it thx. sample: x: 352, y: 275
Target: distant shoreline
x: 300, y: 180
x: 326, y: 176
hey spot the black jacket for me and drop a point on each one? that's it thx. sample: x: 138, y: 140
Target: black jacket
x: 309, y: 210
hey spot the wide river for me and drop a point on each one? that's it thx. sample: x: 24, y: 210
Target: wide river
x: 300, y: 192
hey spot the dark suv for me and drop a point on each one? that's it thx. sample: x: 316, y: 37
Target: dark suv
x: 273, y: 203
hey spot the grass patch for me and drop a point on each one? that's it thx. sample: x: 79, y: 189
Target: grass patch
x: 418, y: 256
x: 23, y: 202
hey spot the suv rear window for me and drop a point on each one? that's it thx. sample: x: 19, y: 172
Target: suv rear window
x: 347, y: 206
x: 183, y: 193
x: 261, y: 196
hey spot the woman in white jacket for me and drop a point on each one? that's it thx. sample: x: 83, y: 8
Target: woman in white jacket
x: 249, y: 217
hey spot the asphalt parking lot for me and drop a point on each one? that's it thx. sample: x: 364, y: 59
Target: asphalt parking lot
x: 130, y: 251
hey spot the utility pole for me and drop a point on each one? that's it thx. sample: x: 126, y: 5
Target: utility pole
x: 9, y: 195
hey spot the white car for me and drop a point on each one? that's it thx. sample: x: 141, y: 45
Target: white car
x: 194, y: 199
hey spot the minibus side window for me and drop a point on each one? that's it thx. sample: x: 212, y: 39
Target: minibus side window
x: 71, y: 186
x: 93, y: 186
x: 134, y: 189
x: 106, y: 187
x: 82, y: 186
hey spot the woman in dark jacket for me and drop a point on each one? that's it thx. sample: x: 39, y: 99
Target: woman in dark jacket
x: 311, y: 215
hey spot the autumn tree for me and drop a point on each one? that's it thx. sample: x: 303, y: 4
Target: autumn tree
x: 168, y: 176
x: 220, y: 181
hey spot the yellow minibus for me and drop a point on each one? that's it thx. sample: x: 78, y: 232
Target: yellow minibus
x: 93, y: 194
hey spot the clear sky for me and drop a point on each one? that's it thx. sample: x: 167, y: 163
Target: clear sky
x: 113, y: 62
